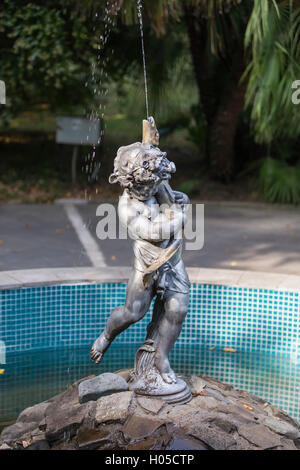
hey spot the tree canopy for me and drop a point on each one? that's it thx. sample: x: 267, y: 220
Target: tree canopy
x: 245, y: 56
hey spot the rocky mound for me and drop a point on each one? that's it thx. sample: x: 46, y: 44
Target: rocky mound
x: 218, y: 417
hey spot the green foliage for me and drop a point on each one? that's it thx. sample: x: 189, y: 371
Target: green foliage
x: 46, y: 52
x: 277, y: 180
x: 197, y: 129
x: 273, y: 38
x: 188, y: 187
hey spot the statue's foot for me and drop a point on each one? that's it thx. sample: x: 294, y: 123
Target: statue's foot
x: 167, y: 374
x: 99, y: 347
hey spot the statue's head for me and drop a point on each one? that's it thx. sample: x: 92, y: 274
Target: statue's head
x: 140, y: 167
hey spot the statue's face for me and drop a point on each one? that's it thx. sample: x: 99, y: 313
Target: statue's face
x: 153, y: 167
x: 143, y: 192
x: 141, y: 168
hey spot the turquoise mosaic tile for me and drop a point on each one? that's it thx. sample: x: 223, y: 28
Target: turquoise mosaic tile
x: 261, y: 325
x: 242, y: 318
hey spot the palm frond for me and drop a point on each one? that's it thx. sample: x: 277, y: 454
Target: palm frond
x: 272, y: 37
x: 277, y: 181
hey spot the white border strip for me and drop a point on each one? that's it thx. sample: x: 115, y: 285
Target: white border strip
x: 224, y: 277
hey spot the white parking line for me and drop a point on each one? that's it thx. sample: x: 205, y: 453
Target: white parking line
x: 86, y: 239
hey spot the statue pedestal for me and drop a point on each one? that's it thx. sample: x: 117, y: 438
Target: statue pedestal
x: 146, y: 380
x: 152, y: 385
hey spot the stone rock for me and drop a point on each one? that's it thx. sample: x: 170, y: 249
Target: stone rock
x: 273, y: 411
x: 34, y: 413
x: 91, y: 439
x: 104, y: 384
x: 237, y: 411
x: 287, y: 444
x: 15, y: 431
x: 36, y: 441
x: 113, y: 407
x: 204, y: 402
x: 63, y: 421
x: 219, y: 418
x: 196, y: 384
x: 5, y: 447
x: 151, y: 405
x: 260, y: 435
x: 223, y: 421
x: 181, y: 414
x: 139, y: 427
x: 216, y: 383
x: 124, y: 373
x: 217, y: 394
x: 213, y: 437
x: 282, y: 427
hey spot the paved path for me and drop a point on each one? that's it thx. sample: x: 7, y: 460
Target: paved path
x: 237, y: 236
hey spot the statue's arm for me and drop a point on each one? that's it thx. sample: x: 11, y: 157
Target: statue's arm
x: 167, y: 195
x: 181, y: 198
x: 162, y: 227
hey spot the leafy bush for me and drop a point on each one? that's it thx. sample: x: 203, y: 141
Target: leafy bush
x: 188, y: 187
x: 277, y: 180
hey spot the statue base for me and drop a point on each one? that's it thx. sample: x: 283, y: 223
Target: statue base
x: 146, y: 380
x: 152, y: 385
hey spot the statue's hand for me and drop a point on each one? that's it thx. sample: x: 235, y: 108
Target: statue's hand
x: 165, y: 194
x: 181, y: 198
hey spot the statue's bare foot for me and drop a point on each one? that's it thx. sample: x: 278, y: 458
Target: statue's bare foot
x: 163, y: 365
x: 99, y: 347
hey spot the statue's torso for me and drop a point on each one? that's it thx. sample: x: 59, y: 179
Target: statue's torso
x: 171, y: 274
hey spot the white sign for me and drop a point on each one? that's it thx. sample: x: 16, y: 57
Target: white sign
x: 2, y: 352
x: 78, y: 131
x: 2, y: 93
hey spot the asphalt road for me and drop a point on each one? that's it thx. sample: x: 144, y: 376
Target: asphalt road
x: 236, y: 236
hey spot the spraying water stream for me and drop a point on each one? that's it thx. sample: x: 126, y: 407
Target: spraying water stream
x: 140, y: 16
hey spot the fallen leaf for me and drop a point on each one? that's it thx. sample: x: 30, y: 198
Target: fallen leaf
x: 2, y: 371
x: 232, y: 350
x: 113, y: 257
x: 197, y: 394
x: 26, y: 443
x: 247, y: 407
x: 58, y: 230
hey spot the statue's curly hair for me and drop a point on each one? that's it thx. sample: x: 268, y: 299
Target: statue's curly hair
x: 139, y: 164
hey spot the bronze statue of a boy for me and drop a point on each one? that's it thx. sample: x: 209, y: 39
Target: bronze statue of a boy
x: 154, y: 215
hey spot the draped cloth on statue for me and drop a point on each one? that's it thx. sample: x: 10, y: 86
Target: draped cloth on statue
x: 163, y: 265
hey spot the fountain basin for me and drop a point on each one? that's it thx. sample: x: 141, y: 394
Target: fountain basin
x: 242, y: 328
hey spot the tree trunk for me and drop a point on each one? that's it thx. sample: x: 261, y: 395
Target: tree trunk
x: 223, y: 130
x: 221, y: 107
x: 204, y: 71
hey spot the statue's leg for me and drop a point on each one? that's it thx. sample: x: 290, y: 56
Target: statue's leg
x: 138, y: 300
x: 170, y: 324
